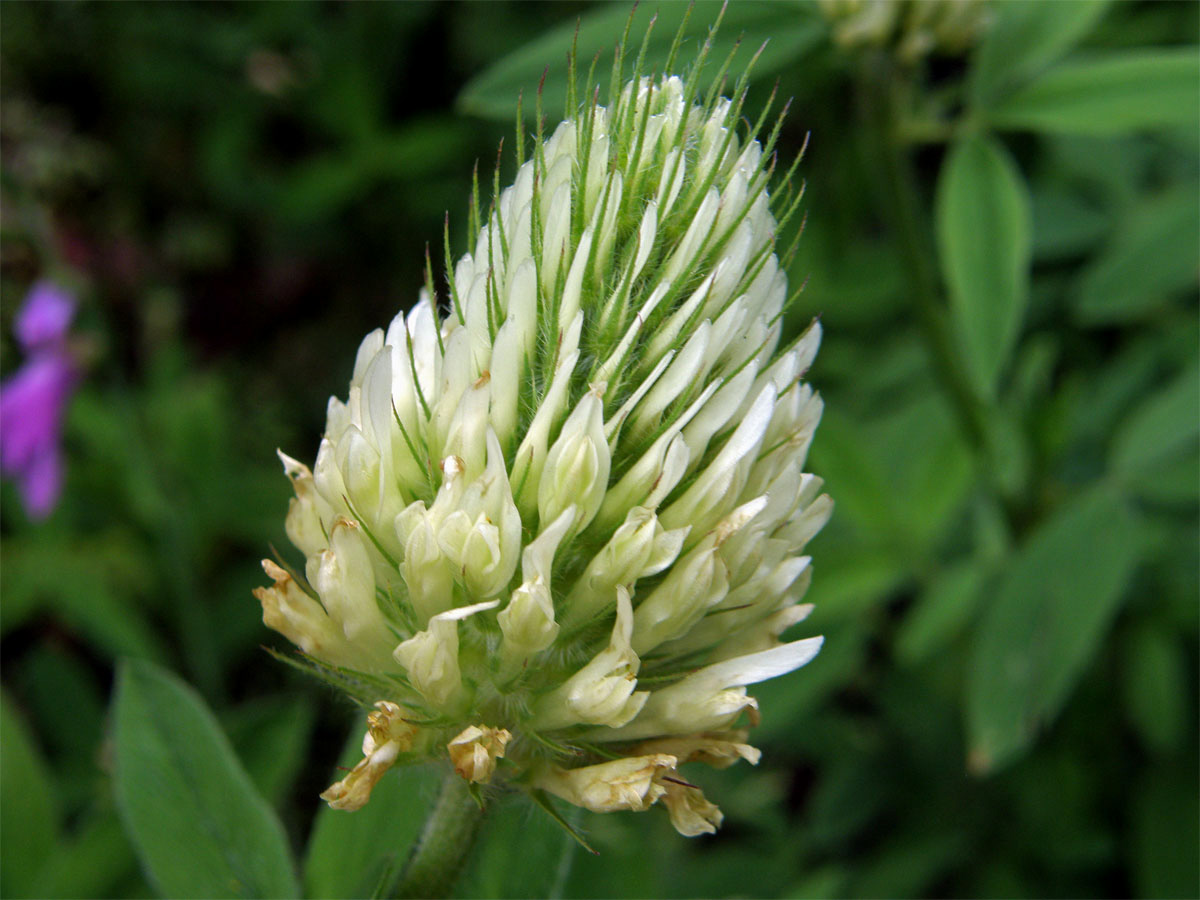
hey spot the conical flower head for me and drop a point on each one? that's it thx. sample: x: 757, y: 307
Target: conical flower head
x: 558, y: 524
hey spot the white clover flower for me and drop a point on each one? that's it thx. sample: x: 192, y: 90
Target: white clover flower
x: 558, y: 524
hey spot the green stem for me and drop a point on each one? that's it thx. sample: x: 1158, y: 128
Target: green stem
x: 445, y: 842
x: 883, y: 88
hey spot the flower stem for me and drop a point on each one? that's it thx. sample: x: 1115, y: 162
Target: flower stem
x: 882, y: 89
x: 444, y: 844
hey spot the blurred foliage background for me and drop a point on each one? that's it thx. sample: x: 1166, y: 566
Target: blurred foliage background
x: 1002, y: 242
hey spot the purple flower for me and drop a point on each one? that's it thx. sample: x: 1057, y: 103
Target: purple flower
x: 33, y: 400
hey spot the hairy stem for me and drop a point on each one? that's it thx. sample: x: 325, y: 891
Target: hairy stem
x: 444, y: 844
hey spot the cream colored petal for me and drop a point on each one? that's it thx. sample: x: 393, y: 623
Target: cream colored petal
x: 475, y: 750
x: 633, y: 783
x: 388, y: 735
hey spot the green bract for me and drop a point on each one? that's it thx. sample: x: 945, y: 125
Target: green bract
x: 560, y: 520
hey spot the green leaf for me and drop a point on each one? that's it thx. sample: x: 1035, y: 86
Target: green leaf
x: 792, y: 31
x: 1112, y: 391
x: 829, y: 881
x: 77, y: 582
x: 1153, y: 258
x: 853, y: 584
x: 1065, y: 224
x: 1025, y: 37
x: 1155, y: 686
x: 984, y: 239
x: 199, y: 826
x: 843, y: 456
x: 93, y: 863
x: 348, y: 853
x: 28, y: 815
x: 1161, y: 427
x: 929, y: 467
x: 1175, y: 482
x: 941, y: 611
x: 541, y: 867
x: 909, y: 864
x: 271, y: 738
x: 1129, y: 91
x: 1046, y: 622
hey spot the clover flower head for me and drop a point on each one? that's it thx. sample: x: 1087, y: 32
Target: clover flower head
x: 557, y: 526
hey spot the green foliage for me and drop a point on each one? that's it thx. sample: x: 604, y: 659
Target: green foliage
x: 1050, y: 612
x: 1003, y: 244
x: 30, y: 818
x: 271, y: 738
x: 1109, y: 95
x: 96, y: 859
x: 984, y: 237
x: 942, y: 611
x: 1165, y: 426
x: 1150, y: 260
x: 541, y: 867
x: 784, y: 31
x: 350, y: 854
x: 200, y: 827
x: 1025, y: 38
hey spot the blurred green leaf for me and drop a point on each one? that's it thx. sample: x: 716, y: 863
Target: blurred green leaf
x: 1154, y: 256
x: 92, y: 863
x: 198, y: 823
x: 1052, y: 807
x: 1161, y: 426
x: 1155, y: 687
x: 1165, y: 843
x: 788, y: 704
x: 852, y: 795
x: 790, y: 30
x: 1065, y: 224
x: 984, y: 239
x: 541, y: 867
x: 1033, y: 373
x: 85, y: 583
x: 909, y: 864
x: 842, y: 454
x: 929, y: 465
x: 846, y: 283
x: 28, y: 814
x: 1130, y: 91
x: 624, y: 838
x: 1009, y: 455
x: 1175, y: 482
x: 42, y: 677
x: 271, y: 738
x: 825, y: 883
x: 850, y: 585
x: 942, y: 610
x: 1053, y: 605
x: 1026, y: 36
x: 348, y: 853
x: 1109, y: 393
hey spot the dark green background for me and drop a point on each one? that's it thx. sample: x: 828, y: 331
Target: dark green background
x: 1006, y: 703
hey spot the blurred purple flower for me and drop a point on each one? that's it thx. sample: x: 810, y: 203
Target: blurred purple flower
x: 33, y: 400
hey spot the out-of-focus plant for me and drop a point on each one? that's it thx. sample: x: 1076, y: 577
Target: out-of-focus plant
x: 1002, y: 246
x: 33, y: 400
